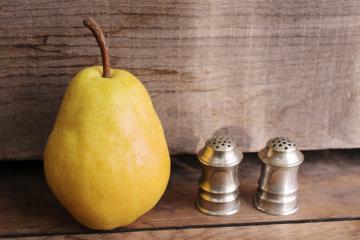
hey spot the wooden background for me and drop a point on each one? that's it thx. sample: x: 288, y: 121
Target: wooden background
x: 252, y: 69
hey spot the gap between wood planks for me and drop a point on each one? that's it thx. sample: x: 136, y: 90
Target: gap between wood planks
x: 124, y: 230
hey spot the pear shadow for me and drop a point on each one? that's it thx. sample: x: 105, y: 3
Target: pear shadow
x: 180, y: 196
x: 29, y: 203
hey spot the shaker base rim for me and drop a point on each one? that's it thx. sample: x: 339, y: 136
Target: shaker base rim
x: 217, y: 213
x: 274, y: 212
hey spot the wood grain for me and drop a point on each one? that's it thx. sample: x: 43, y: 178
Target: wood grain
x: 349, y: 230
x: 252, y: 69
x: 329, y: 191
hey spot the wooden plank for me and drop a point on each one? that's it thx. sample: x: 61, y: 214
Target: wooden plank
x: 329, y: 190
x: 349, y: 230
x: 252, y: 69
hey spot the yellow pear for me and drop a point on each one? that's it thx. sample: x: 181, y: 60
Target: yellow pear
x: 106, y: 159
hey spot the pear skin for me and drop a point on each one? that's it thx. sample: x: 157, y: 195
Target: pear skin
x: 106, y: 159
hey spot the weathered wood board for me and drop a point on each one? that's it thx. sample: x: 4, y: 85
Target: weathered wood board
x: 349, y: 230
x: 249, y: 69
x: 329, y: 191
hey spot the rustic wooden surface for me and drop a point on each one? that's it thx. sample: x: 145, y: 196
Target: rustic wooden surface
x: 329, y: 192
x: 349, y: 230
x: 252, y: 69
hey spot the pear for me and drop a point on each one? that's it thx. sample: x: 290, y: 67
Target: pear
x: 106, y: 159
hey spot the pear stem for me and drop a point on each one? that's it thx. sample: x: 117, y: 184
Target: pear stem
x: 100, y: 38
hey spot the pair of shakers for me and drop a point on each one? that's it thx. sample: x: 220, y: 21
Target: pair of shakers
x: 277, y: 191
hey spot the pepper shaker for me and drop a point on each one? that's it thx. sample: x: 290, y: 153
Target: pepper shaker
x: 219, y: 183
x: 278, y: 182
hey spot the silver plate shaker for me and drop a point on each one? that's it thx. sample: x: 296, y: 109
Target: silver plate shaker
x: 219, y: 183
x: 278, y: 183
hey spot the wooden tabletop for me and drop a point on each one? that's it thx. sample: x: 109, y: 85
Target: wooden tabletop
x: 329, y: 205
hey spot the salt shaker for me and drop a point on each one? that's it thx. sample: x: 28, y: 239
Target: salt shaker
x: 219, y: 183
x: 278, y: 183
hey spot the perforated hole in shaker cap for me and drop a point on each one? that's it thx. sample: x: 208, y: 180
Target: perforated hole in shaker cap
x: 282, y: 144
x: 220, y: 143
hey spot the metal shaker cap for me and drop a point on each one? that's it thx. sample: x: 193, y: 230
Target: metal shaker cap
x: 220, y: 151
x: 281, y: 151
